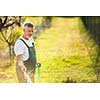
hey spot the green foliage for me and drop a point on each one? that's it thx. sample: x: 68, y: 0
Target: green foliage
x: 97, y: 19
x: 17, y: 32
x: 35, y: 20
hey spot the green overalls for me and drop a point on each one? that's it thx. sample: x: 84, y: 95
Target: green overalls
x: 30, y: 64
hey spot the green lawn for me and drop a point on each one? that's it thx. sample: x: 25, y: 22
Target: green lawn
x: 63, y: 52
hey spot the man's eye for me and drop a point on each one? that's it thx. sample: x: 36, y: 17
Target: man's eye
x: 30, y: 31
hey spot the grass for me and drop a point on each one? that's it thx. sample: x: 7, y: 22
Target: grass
x: 63, y: 51
x: 8, y: 73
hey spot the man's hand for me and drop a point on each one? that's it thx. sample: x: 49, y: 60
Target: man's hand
x: 38, y: 64
x: 21, y: 64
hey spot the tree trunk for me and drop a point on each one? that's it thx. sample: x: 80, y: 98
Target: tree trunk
x: 10, y: 55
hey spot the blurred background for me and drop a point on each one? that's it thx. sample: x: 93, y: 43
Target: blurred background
x: 67, y: 47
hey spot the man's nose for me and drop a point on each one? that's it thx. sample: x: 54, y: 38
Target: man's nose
x: 31, y: 33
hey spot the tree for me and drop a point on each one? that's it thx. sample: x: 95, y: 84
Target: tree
x: 9, y: 36
x: 47, y: 21
x: 7, y: 25
x: 7, y: 21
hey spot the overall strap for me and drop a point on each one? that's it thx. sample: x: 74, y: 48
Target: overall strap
x: 24, y: 42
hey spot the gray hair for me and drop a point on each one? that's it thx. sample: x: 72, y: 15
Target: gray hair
x: 29, y: 24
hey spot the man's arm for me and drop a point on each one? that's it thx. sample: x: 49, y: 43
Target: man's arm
x: 20, y: 63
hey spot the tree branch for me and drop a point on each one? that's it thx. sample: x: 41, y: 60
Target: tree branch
x: 9, y: 25
x: 5, y: 21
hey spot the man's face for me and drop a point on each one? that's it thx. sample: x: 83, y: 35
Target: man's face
x: 28, y: 32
